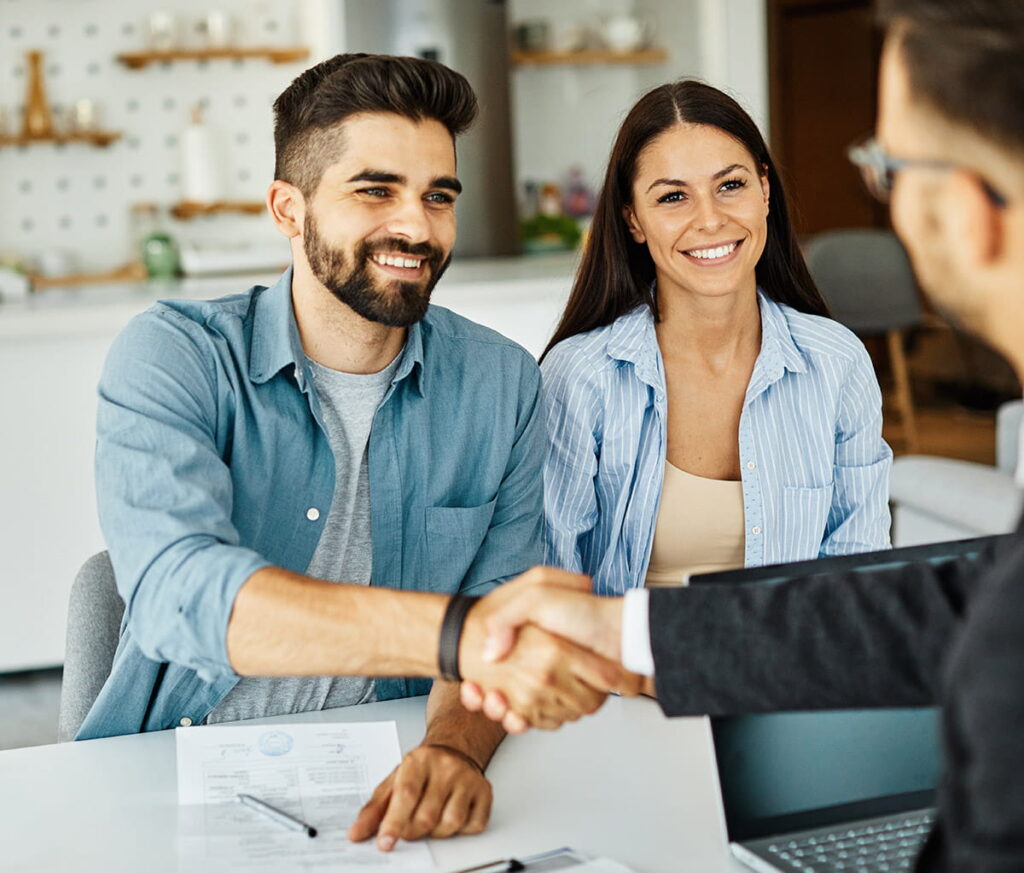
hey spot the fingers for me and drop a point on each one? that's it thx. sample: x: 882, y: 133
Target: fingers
x: 369, y: 818
x: 433, y: 792
x: 471, y: 696
x: 410, y: 782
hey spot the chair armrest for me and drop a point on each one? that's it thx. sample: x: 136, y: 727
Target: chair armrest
x: 974, y: 496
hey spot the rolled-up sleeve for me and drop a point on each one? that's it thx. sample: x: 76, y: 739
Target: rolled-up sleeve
x: 165, y: 493
x: 572, y: 408
x: 858, y: 519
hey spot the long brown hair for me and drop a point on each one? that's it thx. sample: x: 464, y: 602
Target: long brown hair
x: 617, y: 273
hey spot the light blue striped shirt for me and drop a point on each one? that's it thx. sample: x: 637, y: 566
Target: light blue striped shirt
x: 815, y: 468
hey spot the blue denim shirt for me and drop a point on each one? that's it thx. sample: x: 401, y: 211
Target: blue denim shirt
x: 211, y: 457
x: 814, y: 466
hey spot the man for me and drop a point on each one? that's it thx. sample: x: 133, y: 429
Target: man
x: 950, y: 152
x: 270, y: 465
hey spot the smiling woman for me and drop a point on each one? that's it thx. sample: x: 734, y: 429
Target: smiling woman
x: 704, y: 412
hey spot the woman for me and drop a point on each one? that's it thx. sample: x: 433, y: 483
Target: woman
x: 703, y: 410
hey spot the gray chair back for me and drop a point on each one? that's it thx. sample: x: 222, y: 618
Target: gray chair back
x: 866, y: 279
x: 94, y: 626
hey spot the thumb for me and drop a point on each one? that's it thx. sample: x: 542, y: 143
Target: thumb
x: 500, y: 641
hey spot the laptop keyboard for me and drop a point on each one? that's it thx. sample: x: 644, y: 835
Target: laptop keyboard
x: 878, y: 846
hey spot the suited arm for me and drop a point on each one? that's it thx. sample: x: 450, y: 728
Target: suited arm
x: 873, y: 638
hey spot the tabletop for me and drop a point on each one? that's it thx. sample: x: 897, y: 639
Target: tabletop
x: 626, y: 783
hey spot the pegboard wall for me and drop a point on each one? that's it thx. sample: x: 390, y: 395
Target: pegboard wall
x: 78, y: 198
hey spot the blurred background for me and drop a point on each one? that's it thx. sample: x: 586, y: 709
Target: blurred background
x: 136, y: 146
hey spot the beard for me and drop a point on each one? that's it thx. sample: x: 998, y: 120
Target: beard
x: 394, y: 303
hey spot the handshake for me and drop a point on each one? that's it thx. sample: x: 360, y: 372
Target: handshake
x: 541, y: 650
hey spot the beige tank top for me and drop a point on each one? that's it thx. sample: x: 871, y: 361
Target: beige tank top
x: 700, y: 528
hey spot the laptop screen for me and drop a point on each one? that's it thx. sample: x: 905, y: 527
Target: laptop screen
x: 784, y: 772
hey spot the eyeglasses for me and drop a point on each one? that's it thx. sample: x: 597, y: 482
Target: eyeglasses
x: 879, y: 170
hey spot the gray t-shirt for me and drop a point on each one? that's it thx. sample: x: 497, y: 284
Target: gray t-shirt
x: 348, y: 404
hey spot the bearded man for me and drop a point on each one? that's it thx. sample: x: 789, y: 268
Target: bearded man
x: 273, y: 464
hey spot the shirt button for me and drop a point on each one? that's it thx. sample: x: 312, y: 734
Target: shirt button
x: 312, y: 513
x: 185, y: 721
x: 296, y: 374
x: 755, y: 530
x: 751, y: 465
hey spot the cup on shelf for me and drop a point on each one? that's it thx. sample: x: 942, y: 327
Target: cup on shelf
x: 164, y: 35
x: 56, y: 262
x: 85, y: 116
x: 626, y: 33
x: 217, y: 29
x: 533, y: 35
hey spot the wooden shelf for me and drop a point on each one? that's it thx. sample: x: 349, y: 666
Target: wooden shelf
x: 279, y: 55
x: 101, y: 138
x: 130, y: 272
x: 188, y: 209
x: 549, y: 59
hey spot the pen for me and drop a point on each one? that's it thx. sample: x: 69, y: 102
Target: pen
x: 281, y: 817
x: 509, y: 865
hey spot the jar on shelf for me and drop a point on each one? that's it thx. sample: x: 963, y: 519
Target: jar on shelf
x: 157, y: 248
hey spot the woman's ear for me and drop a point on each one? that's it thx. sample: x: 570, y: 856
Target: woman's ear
x: 765, y: 187
x: 635, y: 231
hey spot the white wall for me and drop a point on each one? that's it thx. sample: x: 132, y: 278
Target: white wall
x: 568, y: 115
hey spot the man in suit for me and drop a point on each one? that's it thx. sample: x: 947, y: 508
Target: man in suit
x: 949, y: 156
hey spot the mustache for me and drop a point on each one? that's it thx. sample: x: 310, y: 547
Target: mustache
x: 394, y: 244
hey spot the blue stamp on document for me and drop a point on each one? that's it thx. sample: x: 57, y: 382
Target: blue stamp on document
x: 276, y: 743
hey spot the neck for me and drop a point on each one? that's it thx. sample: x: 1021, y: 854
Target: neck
x: 712, y: 331
x: 334, y: 335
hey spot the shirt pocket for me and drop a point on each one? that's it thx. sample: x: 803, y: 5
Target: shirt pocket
x: 803, y: 517
x: 454, y: 536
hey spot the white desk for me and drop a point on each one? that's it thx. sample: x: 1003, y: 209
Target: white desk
x: 626, y: 783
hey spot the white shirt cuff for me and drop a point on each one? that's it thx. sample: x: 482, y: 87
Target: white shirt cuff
x: 636, y: 633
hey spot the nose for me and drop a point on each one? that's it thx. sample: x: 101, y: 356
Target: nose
x: 409, y: 220
x: 709, y: 217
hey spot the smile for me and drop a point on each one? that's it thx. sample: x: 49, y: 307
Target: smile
x: 714, y: 255
x: 404, y: 262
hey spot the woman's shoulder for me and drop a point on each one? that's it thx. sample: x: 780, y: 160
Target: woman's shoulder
x: 598, y: 351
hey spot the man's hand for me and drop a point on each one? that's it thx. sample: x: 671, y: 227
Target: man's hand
x: 539, y: 678
x: 436, y: 791
x: 560, y: 603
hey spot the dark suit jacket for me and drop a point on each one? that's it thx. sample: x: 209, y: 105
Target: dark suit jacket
x: 912, y: 636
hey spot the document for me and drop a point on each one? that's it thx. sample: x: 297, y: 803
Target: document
x: 321, y: 774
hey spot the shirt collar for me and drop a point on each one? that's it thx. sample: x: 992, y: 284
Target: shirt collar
x: 276, y: 343
x: 632, y: 339
x: 778, y: 348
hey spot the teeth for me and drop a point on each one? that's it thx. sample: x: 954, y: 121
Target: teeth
x: 395, y: 261
x: 707, y: 254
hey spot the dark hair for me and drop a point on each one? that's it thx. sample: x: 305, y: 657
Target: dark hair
x: 617, y: 273
x: 308, y: 110
x: 965, y: 58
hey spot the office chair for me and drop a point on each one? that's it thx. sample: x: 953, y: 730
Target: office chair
x: 866, y: 279
x: 94, y: 625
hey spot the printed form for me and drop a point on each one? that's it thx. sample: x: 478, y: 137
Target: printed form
x: 321, y: 774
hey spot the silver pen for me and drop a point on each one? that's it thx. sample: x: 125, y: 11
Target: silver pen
x: 278, y: 815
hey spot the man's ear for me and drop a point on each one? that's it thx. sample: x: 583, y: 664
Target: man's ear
x: 635, y: 231
x: 977, y: 224
x: 287, y: 207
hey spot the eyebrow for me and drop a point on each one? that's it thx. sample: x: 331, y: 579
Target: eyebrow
x: 679, y: 183
x: 385, y: 178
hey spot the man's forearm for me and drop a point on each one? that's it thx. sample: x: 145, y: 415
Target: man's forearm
x: 450, y: 724
x: 286, y: 624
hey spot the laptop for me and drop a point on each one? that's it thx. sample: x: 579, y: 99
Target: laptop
x: 849, y: 790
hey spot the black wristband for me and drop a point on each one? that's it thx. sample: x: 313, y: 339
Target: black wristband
x: 451, y: 633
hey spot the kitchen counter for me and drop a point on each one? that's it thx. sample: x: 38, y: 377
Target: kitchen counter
x: 75, y: 311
